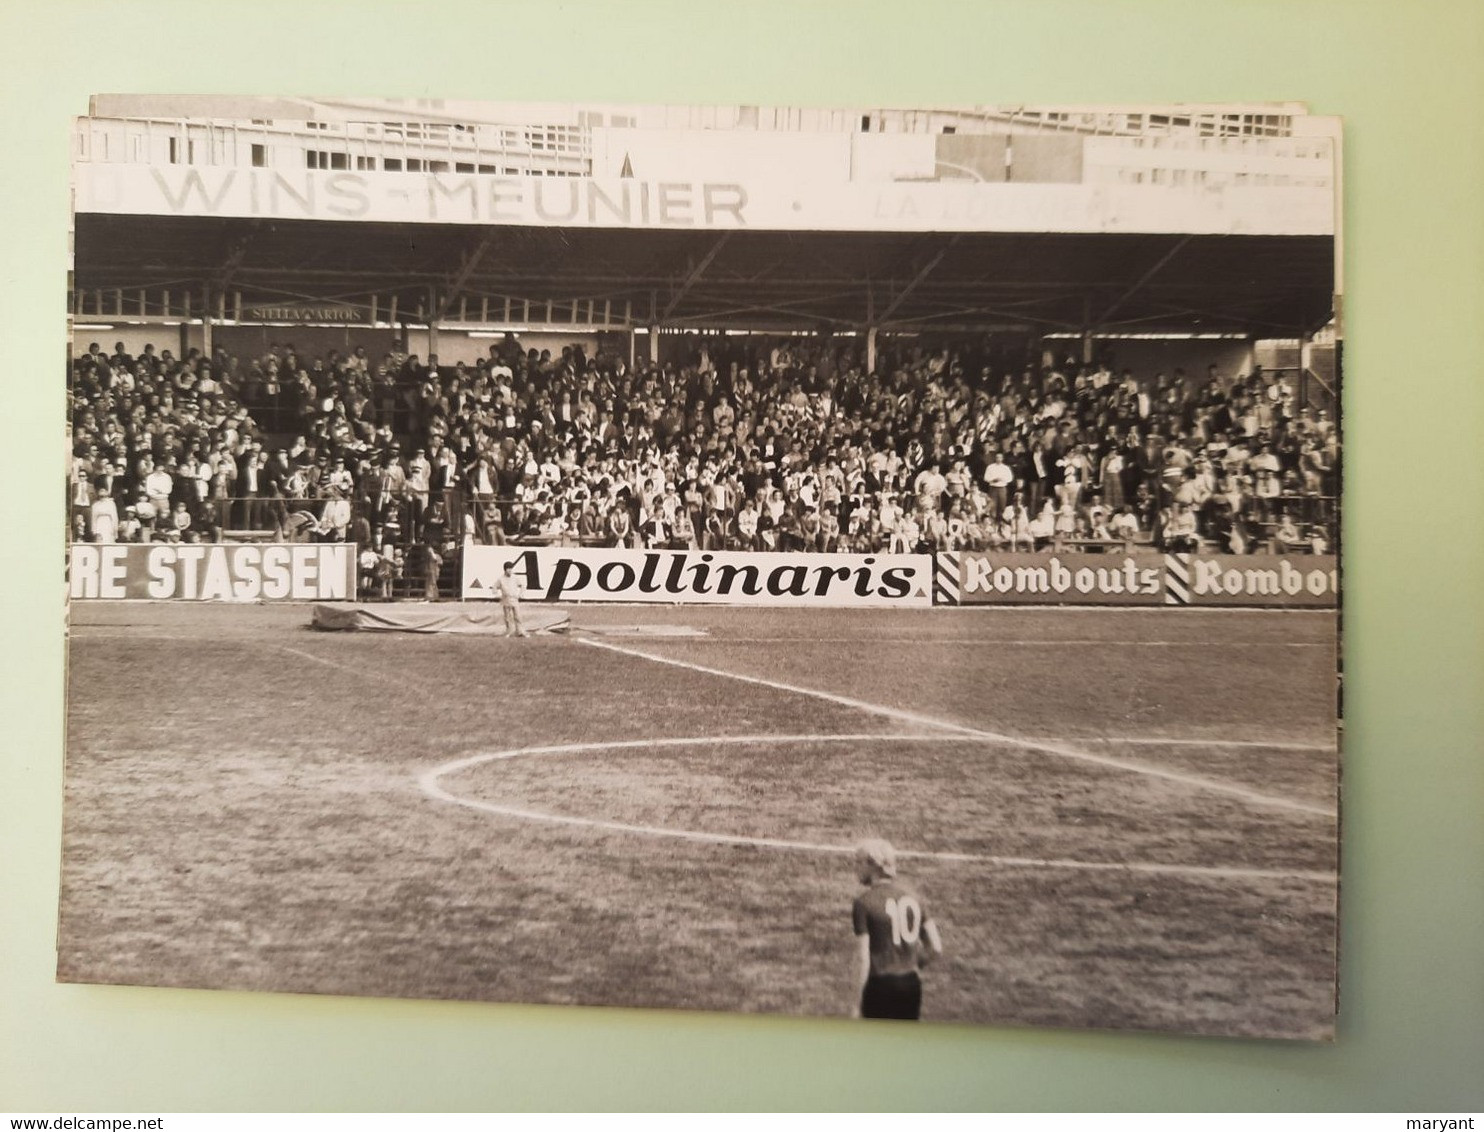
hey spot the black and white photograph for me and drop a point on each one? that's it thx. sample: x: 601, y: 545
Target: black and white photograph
x: 853, y: 562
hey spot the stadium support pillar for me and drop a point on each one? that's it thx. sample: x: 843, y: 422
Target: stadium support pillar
x: 207, y: 305
x: 1089, y: 346
x: 654, y: 345
x: 1305, y: 356
x: 432, y: 337
x: 871, y: 349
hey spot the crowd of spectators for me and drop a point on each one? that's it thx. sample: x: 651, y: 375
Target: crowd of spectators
x: 746, y: 444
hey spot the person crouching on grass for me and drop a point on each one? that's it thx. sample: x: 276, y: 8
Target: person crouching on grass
x: 510, y: 589
x: 896, y: 938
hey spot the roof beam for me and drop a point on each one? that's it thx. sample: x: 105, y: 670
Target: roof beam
x: 789, y: 309
x: 91, y: 276
x: 466, y: 269
x: 1018, y: 316
x: 1159, y: 265
x: 774, y: 306
x: 695, y: 275
x: 236, y: 253
x: 922, y: 273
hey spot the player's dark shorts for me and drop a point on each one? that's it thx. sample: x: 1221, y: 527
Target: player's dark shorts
x: 892, y: 996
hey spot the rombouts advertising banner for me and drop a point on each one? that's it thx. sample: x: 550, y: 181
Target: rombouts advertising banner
x: 1136, y: 579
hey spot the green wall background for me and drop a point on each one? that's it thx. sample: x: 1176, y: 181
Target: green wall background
x: 1408, y: 80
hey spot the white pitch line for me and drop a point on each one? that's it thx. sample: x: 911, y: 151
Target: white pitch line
x: 1051, y: 747
x: 367, y: 673
x: 1162, y: 741
x: 128, y: 633
x: 430, y: 784
x: 370, y: 674
x: 713, y: 639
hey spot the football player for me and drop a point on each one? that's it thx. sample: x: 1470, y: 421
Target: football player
x: 896, y: 938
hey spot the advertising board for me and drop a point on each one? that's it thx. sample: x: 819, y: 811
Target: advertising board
x: 1046, y: 578
x: 212, y: 572
x: 1051, y: 579
x: 762, y: 204
x: 703, y: 577
x: 1257, y: 579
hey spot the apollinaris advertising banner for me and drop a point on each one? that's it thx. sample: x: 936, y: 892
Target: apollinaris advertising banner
x: 1136, y: 579
x: 212, y: 572
x: 703, y: 577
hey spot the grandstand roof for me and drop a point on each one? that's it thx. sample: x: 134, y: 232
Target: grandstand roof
x: 1267, y: 286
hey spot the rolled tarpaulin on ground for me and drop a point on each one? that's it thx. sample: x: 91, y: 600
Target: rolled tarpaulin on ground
x: 428, y: 617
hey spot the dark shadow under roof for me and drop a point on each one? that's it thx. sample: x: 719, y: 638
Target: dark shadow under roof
x: 1267, y: 286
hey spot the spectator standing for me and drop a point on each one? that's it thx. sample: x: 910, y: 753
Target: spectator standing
x: 998, y: 478
x: 104, y: 513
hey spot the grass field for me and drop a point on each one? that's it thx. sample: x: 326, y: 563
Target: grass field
x: 1118, y: 818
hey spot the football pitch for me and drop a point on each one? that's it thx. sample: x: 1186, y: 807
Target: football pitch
x: 1118, y: 818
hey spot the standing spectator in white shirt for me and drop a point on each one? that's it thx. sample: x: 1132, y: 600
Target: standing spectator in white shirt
x: 158, y: 485
x: 105, y: 513
x: 930, y: 486
x: 335, y: 518
x: 997, y: 478
x: 419, y: 482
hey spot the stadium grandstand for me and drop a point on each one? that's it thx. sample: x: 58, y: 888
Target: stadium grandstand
x: 418, y: 326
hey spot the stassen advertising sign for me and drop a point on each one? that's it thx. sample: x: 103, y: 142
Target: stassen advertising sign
x: 1043, y: 579
x: 702, y: 577
x: 210, y: 572
x: 1227, y: 579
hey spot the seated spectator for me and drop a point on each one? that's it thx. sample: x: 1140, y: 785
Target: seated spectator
x: 1042, y: 528
x: 1286, y: 538
x: 1180, y: 535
